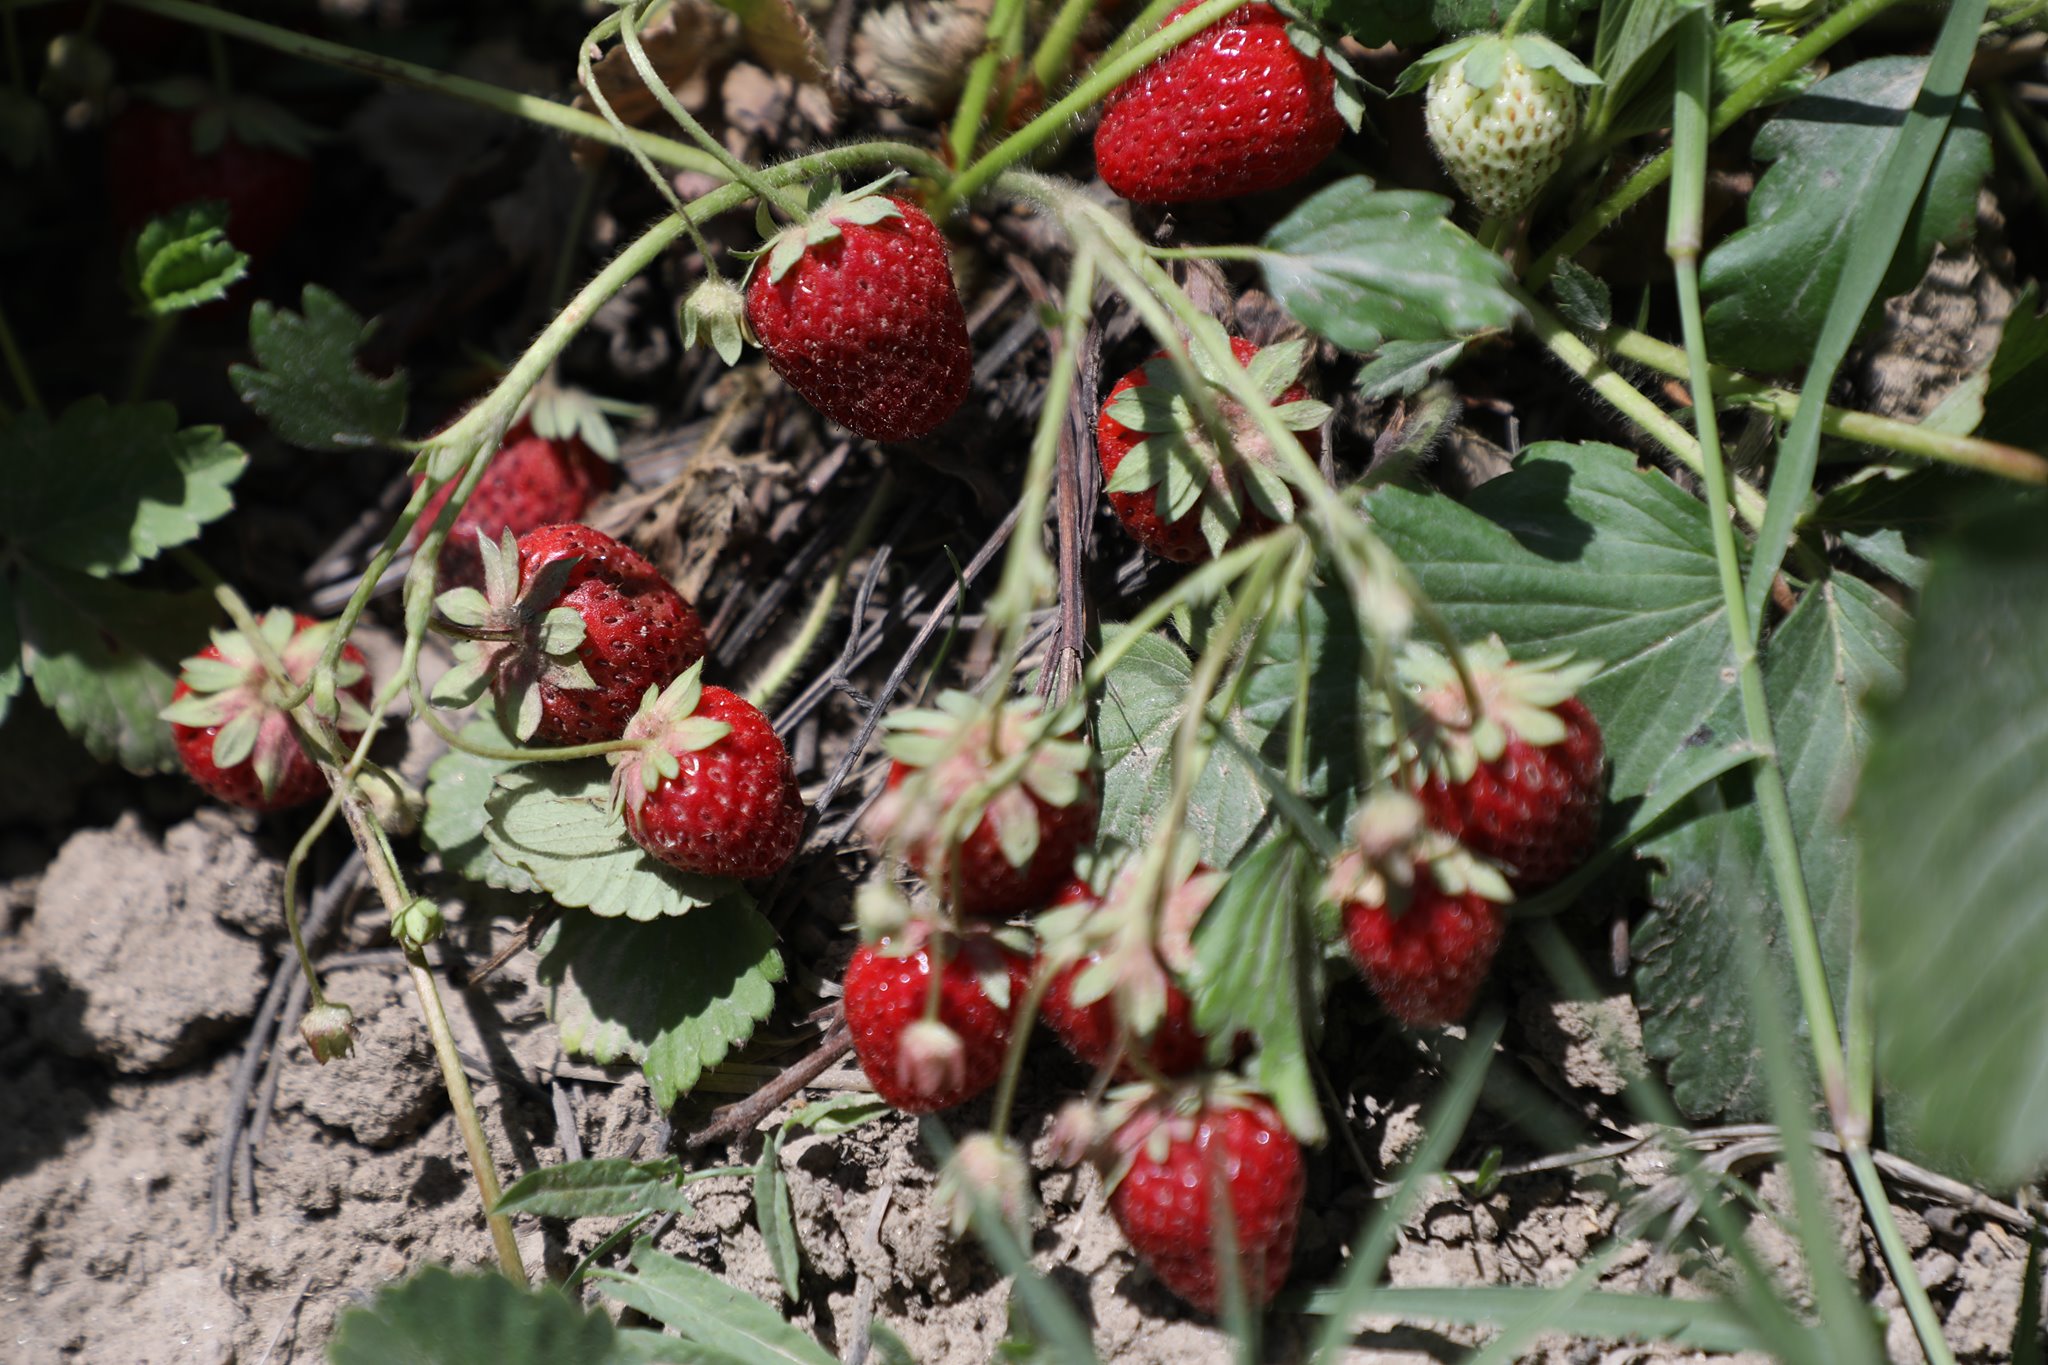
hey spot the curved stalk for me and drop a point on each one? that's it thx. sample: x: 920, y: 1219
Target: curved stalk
x: 777, y: 674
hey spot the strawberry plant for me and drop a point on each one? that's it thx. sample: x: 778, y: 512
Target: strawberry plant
x: 1495, y: 579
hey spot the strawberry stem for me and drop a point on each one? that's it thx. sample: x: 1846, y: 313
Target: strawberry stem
x: 506, y: 753
x: 1514, y: 22
x: 1002, y: 37
x: 778, y: 671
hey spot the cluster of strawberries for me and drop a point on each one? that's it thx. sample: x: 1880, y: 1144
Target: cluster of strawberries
x: 1503, y: 793
x: 578, y: 638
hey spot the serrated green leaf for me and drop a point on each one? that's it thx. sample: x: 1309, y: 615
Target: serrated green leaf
x: 1257, y: 970
x: 1844, y: 641
x: 673, y: 994
x: 103, y: 488
x: 1582, y: 297
x: 1953, y: 813
x: 183, y: 259
x: 305, y: 382
x: 1768, y: 285
x: 1633, y: 39
x: 1404, y: 367
x: 1362, y: 266
x: 554, y: 821
x: 103, y: 656
x: 1146, y: 693
x: 1606, y: 562
x: 607, y: 1188
x: 458, y: 785
x: 704, y: 1308
x: 436, y: 1317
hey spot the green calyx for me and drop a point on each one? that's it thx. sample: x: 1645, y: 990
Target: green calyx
x: 666, y: 725
x: 827, y: 209
x: 513, y: 632
x: 1391, y: 846
x: 1513, y: 701
x: 237, y: 694
x: 718, y: 310
x: 1485, y: 57
x: 952, y: 748
x: 1187, y: 464
x: 329, y: 1029
x: 418, y: 924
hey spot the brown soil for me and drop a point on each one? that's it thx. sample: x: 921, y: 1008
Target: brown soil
x: 130, y: 969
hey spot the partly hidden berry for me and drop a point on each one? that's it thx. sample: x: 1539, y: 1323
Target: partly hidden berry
x: 1501, y: 113
x: 231, y: 732
x: 531, y: 481
x: 1174, y: 1155
x: 924, y: 1064
x: 1521, y: 782
x: 569, y: 632
x: 1422, y: 917
x: 1237, y: 109
x: 710, y: 789
x: 857, y: 310
x: 1177, y: 490
x: 243, y: 152
x: 990, y: 853
x: 1117, y: 963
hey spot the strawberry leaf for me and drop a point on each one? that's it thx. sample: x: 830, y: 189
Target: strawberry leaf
x: 437, y: 1317
x: 305, y: 382
x: 103, y: 656
x: 1146, y: 694
x: 458, y: 786
x: 1768, y: 286
x: 554, y: 821
x: 103, y: 489
x: 605, y: 1188
x: 674, y: 995
x: 1258, y: 970
x: 183, y: 259
x: 1955, y: 859
x: 1362, y: 266
x: 711, y: 1314
x: 1404, y: 367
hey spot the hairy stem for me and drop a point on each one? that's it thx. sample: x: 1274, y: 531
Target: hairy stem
x: 773, y: 678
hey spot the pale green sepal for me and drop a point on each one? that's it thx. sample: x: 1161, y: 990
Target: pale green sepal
x: 1148, y: 408
x: 200, y: 710
x: 463, y: 684
x: 1219, y: 522
x: 1140, y: 469
x: 1303, y: 414
x: 464, y: 606
x: 213, y: 675
x: 1016, y: 826
x: 236, y: 740
x: 1274, y: 369
x: 561, y: 631
x: 1537, y: 52
x: 1268, y: 491
x: 918, y: 751
x: 698, y: 732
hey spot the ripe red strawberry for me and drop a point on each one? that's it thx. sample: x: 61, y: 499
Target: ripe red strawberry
x: 1011, y: 850
x: 1235, y: 110
x: 1116, y: 966
x: 1522, y: 785
x: 532, y: 481
x: 1176, y: 493
x: 569, y: 632
x: 230, y: 733
x: 1175, y: 1154
x: 712, y: 790
x: 922, y: 1065
x: 857, y: 310
x: 159, y: 158
x: 1423, y: 917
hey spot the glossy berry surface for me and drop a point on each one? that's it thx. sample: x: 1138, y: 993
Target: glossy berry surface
x: 885, y: 995
x: 1535, y: 811
x: 1090, y: 1031
x: 1427, y: 963
x: 153, y: 167
x: 1163, y: 1204
x: 532, y: 481
x: 298, y: 780
x: 1181, y: 540
x: 638, y: 633
x: 984, y: 883
x: 868, y: 327
x: 1235, y: 110
x: 732, y: 809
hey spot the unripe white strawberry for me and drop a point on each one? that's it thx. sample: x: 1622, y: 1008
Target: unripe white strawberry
x: 1501, y: 113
